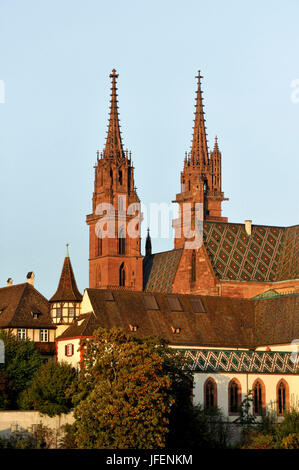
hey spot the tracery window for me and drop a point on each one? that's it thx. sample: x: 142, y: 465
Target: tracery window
x: 122, y: 275
x: 121, y: 242
x: 234, y: 396
x: 210, y: 393
x: 282, y: 397
x: 258, y: 397
x: 193, y: 267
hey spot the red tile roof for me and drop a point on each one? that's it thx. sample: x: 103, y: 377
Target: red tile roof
x: 17, y: 305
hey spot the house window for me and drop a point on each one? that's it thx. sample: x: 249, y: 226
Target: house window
x: 71, y: 312
x: 58, y: 313
x: 210, y: 393
x: 44, y: 336
x: 282, y: 397
x: 258, y: 397
x: 122, y: 275
x: 21, y: 333
x: 69, y: 349
x: 234, y: 396
x: 35, y: 315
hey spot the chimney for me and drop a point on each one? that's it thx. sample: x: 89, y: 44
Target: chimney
x: 9, y: 281
x: 30, y: 278
x: 248, y: 227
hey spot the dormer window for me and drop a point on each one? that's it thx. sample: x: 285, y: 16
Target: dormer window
x: 35, y: 314
x: 176, y: 330
x: 133, y: 328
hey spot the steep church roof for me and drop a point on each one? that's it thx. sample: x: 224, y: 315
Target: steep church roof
x: 67, y: 290
x: 192, y: 320
x: 159, y: 270
x: 268, y: 254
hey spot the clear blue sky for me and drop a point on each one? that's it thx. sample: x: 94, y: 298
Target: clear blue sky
x: 55, y: 60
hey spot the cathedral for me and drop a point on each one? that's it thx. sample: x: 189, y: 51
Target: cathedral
x: 230, y: 303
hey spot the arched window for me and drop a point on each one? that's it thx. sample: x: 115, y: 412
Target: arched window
x: 111, y: 176
x: 99, y: 244
x: 120, y: 177
x: 121, y: 242
x: 282, y: 392
x: 234, y: 396
x: 210, y: 393
x: 258, y: 391
x: 122, y: 275
x: 193, y: 266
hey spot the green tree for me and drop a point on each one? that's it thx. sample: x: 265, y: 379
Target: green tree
x: 122, y: 395
x: 47, y: 392
x: 21, y: 362
x: 190, y: 427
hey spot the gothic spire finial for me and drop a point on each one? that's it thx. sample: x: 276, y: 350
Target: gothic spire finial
x: 113, y: 147
x: 148, y: 244
x: 67, y: 250
x: 199, y: 149
x: 216, y: 143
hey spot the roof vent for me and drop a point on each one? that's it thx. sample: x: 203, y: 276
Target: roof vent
x: 30, y: 278
x: 248, y: 227
x: 9, y: 281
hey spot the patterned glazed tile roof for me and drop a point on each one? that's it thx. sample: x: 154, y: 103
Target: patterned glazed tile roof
x: 268, y: 254
x: 277, y: 320
x: 17, y: 305
x: 67, y: 289
x: 159, y: 271
x: 262, y: 362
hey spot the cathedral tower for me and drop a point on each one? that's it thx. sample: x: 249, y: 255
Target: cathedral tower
x: 200, y: 178
x: 115, y: 259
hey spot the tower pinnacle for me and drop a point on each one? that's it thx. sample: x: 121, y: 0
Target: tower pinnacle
x: 199, y: 149
x: 113, y: 147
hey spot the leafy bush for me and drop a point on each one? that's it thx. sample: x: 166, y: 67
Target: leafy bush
x: 47, y: 392
x: 21, y: 363
x: 290, y: 442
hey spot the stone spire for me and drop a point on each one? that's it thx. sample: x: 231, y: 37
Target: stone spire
x: 67, y: 289
x: 199, y: 149
x: 148, y: 244
x: 113, y: 147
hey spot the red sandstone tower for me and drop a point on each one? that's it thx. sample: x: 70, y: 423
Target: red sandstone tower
x: 115, y: 259
x: 200, y: 178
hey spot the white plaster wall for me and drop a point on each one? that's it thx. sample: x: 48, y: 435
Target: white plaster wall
x: 246, y: 380
x: 75, y: 358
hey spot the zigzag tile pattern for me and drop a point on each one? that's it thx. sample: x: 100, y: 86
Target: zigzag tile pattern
x: 271, y: 362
